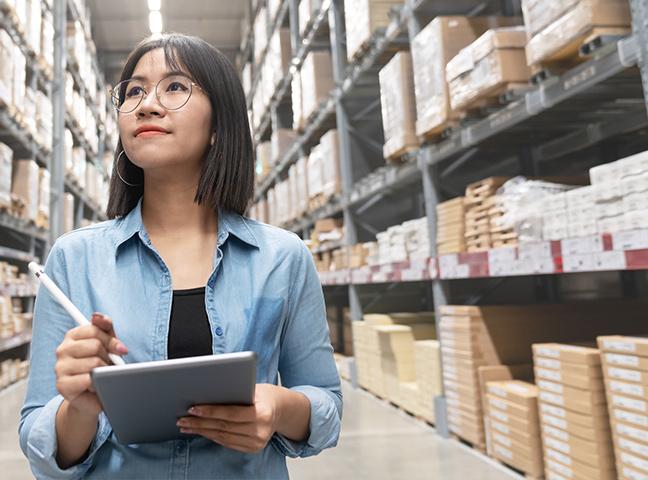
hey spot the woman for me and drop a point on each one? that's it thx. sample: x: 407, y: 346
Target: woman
x: 177, y: 272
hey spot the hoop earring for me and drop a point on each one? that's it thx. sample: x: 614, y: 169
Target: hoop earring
x: 119, y: 174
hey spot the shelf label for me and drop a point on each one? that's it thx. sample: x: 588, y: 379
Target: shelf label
x: 621, y: 346
x: 612, y: 260
x: 502, y: 255
x: 580, y: 77
x: 629, y: 403
x: 625, y: 360
x: 632, y: 432
x: 579, y: 263
x: 623, y: 374
x: 576, y: 246
x: 412, y: 275
x: 631, y: 417
x: 630, y: 240
x: 627, y: 389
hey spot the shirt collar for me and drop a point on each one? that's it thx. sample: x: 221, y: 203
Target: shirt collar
x: 228, y: 223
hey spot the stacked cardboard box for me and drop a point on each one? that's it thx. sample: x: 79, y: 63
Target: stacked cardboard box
x: 397, y: 356
x: 331, y: 176
x: 302, y: 186
x: 573, y: 408
x: 367, y: 15
x: 297, y: 101
x: 25, y: 177
x: 417, y: 238
x: 489, y: 66
x: 398, y: 106
x: 556, y: 28
x: 480, y: 203
x: 68, y: 212
x: 12, y: 370
x: 514, y: 427
x: 449, y: 35
x: 44, y: 188
x: 465, y: 346
x: 367, y: 346
x: 625, y: 370
x: 358, y: 255
x: 427, y: 363
x: 451, y: 226
x: 316, y: 81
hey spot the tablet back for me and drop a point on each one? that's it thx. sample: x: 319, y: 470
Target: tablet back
x: 143, y: 401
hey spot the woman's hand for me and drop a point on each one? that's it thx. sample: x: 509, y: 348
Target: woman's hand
x: 249, y: 429
x: 84, y: 348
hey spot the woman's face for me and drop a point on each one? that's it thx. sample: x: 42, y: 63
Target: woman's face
x: 160, y: 140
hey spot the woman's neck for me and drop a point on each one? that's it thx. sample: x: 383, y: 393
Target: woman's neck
x: 172, y: 212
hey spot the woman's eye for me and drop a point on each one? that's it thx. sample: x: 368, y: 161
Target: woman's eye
x: 176, y: 87
x: 134, y: 92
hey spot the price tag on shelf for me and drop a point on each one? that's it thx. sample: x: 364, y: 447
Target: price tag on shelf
x: 630, y: 240
x: 412, y: 275
x: 502, y: 255
x: 578, y: 246
x: 579, y: 263
x: 612, y: 260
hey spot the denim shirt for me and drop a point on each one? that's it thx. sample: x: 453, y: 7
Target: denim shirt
x: 263, y: 295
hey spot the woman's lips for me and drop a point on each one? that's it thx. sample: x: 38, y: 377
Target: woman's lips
x: 150, y: 133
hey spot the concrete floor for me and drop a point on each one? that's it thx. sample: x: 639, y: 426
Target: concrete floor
x: 377, y: 442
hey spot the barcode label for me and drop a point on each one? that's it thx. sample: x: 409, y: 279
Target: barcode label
x: 631, y: 417
x: 622, y: 346
x: 623, y: 374
x: 625, y: 360
x: 556, y: 422
x: 619, y: 387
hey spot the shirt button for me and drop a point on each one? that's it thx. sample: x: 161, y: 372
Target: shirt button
x: 219, y: 331
x: 180, y: 447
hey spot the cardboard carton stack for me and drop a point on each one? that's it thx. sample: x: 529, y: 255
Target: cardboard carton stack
x: 465, y: 346
x: 329, y: 147
x: 449, y: 35
x: 427, y: 364
x: 302, y: 186
x: 451, y: 226
x: 398, y: 106
x: 480, y: 203
x: 367, y: 15
x: 625, y: 370
x: 316, y: 81
x: 367, y: 346
x: 25, y: 177
x: 513, y: 430
x: 488, y: 67
x: 297, y: 101
x: 397, y: 356
x: 573, y: 411
x: 6, y: 164
x: 556, y: 28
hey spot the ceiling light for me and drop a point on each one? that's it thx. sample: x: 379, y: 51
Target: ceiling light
x: 155, y: 21
x: 154, y: 4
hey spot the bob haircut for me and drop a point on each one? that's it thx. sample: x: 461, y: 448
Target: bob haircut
x: 227, y: 177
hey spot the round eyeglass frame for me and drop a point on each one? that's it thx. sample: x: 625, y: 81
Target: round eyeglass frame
x: 115, y: 90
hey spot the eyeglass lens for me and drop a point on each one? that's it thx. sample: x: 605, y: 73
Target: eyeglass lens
x: 172, y: 92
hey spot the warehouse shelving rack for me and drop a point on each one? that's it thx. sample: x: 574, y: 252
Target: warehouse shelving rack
x: 21, y: 241
x: 563, y: 124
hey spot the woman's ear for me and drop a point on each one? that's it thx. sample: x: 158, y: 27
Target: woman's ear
x: 213, y: 139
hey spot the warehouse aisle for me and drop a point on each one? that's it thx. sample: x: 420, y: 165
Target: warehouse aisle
x: 377, y: 442
x: 380, y: 443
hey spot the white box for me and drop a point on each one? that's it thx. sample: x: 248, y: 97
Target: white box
x: 580, y: 197
x: 612, y: 224
x: 635, y: 201
x: 607, y: 191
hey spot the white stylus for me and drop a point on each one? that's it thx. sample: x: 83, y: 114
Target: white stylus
x: 66, y: 303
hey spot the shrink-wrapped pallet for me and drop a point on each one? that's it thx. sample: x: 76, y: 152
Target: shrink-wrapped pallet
x: 25, y: 184
x: 486, y: 67
x: 302, y: 186
x: 297, y: 101
x: 20, y: 73
x: 398, y: 106
x: 6, y: 68
x: 33, y: 25
x: 46, y: 57
x: 331, y: 176
x: 316, y: 81
x: 308, y: 9
x: 448, y: 35
x: 363, y: 18
x: 556, y: 28
x: 44, y: 183
x: 260, y: 33
x: 6, y: 164
x: 315, y: 171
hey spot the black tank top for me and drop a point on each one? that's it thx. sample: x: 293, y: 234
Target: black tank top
x: 189, y: 330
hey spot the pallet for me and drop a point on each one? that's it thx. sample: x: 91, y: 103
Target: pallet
x: 527, y: 476
x: 493, y: 98
x: 316, y: 202
x: 479, y: 448
x: 396, y: 157
x: 434, y: 132
x: 568, y: 56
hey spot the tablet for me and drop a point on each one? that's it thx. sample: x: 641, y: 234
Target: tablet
x: 143, y: 401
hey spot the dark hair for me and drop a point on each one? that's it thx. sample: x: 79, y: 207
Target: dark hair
x: 227, y: 178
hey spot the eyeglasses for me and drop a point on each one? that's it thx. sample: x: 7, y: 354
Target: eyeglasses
x: 173, y: 92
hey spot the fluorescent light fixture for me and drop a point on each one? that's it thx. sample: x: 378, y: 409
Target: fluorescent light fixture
x: 154, y: 4
x: 156, y: 36
x: 155, y: 21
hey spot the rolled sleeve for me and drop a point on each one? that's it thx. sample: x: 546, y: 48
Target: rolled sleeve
x: 324, y: 424
x: 40, y: 444
x: 306, y: 361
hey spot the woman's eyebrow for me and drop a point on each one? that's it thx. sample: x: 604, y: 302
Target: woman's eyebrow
x: 144, y: 79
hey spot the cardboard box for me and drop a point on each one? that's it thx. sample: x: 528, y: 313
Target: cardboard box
x: 624, y: 345
x: 512, y: 409
x: 594, y: 453
x: 627, y: 403
x: 580, y: 469
x: 575, y: 394
x: 515, y: 391
x: 316, y: 81
x: 578, y: 381
x: 25, y: 177
x: 629, y: 431
x: 600, y: 433
x: 518, y: 460
x: 625, y: 361
x: 631, y: 418
x: 484, y: 68
x: 367, y: 15
x: 507, y: 420
x: 569, y: 353
x: 524, y: 436
x: 569, y: 368
x: 398, y: 105
x: 627, y: 389
x: 629, y: 473
x: 576, y: 404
